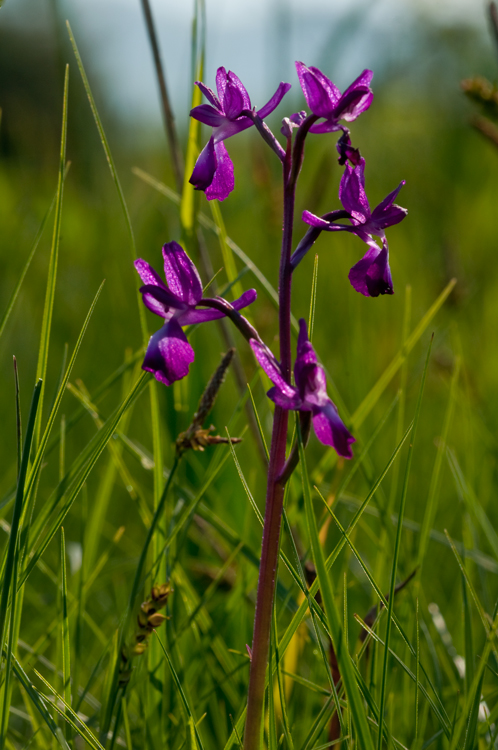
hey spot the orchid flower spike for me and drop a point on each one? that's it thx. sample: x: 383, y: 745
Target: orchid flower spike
x: 213, y: 171
x: 325, y: 100
x: 309, y: 393
x: 371, y: 276
x: 169, y: 354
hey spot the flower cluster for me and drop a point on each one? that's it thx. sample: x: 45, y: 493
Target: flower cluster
x: 181, y: 303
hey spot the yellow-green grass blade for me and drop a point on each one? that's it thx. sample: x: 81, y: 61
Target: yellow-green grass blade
x: 399, y: 528
x: 71, y: 719
x: 258, y: 422
x: 355, y: 703
x: 189, y: 199
x: 41, y: 367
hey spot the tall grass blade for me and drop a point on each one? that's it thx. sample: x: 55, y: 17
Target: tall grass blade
x: 355, y: 703
x: 401, y: 513
x: 16, y: 516
x: 314, y: 284
x: 66, y: 652
x: 41, y: 367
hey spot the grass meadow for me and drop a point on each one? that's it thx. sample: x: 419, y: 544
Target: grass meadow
x: 98, y: 512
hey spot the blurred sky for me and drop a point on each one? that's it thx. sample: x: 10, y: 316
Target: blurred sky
x: 257, y: 39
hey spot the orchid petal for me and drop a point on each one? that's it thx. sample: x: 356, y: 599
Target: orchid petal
x: 331, y: 430
x: 270, y: 365
x: 291, y: 403
x: 371, y: 276
x: 168, y: 354
x: 319, y: 91
x: 205, y: 167
x: 223, y: 181
x: 352, y: 193
x: 181, y: 274
x: 208, y: 115
x: 210, y: 95
x: 275, y: 100
x: 160, y: 301
x: 147, y: 274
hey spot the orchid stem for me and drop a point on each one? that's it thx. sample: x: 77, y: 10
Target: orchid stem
x: 277, y: 477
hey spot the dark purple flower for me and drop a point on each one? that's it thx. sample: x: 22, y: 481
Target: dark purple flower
x: 346, y: 150
x: 371, y: 276
x: 213, y: 171
x: 325, y: 100
x: 309, y: 393
x: 169, y: 354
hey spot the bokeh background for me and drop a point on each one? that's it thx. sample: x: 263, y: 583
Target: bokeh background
x: 418, y: 130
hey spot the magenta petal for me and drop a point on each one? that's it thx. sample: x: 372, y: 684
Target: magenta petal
x: 331, y: 430
x: 147, y: 274
x: 223, y: 181
x: 208, y: 115
x: 305, y: 352
x: 371, y: 276
x: 270, y: 365
x: 233, y: 101
x: 319, y: 91
x: 168, y: 354
x: 205, y: 167
x: 389, y: 199
x: 181, y: 274
x: 209, y: 94
x: 315, y: 221
x: 352, y: 193
x: 291, y: 403
x: 160, y: 301
x: 353, y: 104
x: 273, y: 103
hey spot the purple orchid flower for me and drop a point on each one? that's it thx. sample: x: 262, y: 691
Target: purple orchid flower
x: 371, y: 276
x: 325, y: 100
x: 309, y: 393
x: 213, y: 171
x: 169, y: 354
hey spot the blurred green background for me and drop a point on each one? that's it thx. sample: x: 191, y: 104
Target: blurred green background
x: 417, y: 130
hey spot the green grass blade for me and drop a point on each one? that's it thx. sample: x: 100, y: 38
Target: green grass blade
x: 390, y: 605
x: 258, y: 422
x: 24, y: 271
x: 355, y: 703
x: 16, y: 517
x: 432, y: 498
x: 188, y: 711
x: 66, y: 652
x: 41, y: 367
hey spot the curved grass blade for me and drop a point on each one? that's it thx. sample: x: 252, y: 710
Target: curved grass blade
x: 66, y: 653
x: 41, y: 367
